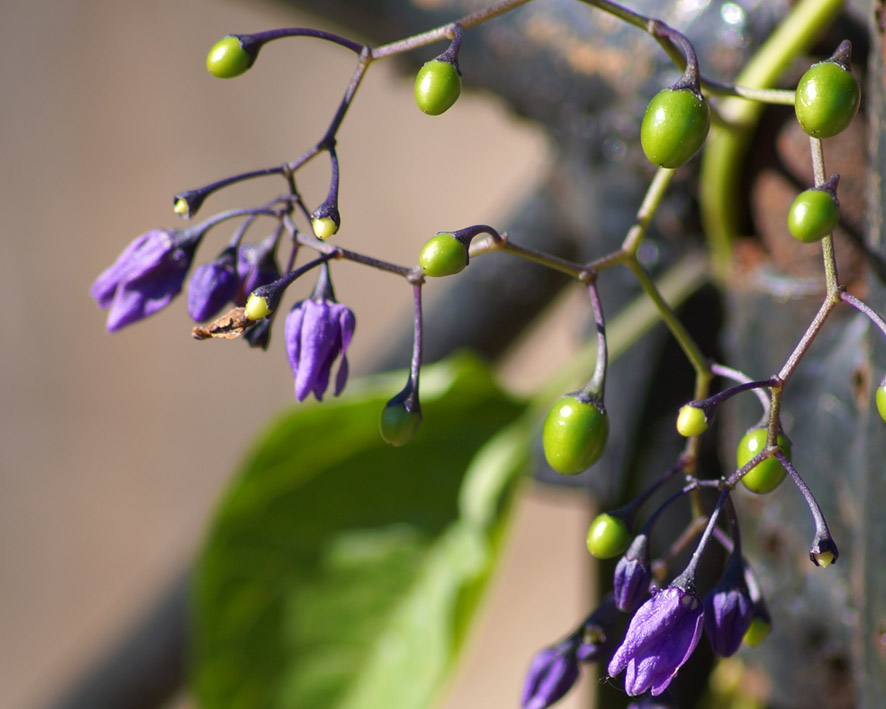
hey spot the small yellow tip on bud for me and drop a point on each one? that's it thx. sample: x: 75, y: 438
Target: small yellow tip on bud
x: 757, y: 632
x: 180, y: 206
x: 691, y: 421
x: 324, y: 227
x: 824, y: 559
x: 257, y: 307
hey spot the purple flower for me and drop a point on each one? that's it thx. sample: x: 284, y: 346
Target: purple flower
x: 632, y: 575
x: 317, y: 330
x: 728, y: 610
x: 660, y: 638
x: 212, y: 285
x: 256, y: 266
x: 552, y: 673
x: 146, y: 276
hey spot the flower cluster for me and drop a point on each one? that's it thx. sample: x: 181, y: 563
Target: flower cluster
x: 151, y: 272
x: 652, y: 622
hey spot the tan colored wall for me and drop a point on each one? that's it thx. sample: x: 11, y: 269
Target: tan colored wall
x: 113, y: 448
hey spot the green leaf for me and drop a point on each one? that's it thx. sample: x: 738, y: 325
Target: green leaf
x: 342, y: 573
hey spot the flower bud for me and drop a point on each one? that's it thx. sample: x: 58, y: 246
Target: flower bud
x: 632, y: 575
x: 728, y: 610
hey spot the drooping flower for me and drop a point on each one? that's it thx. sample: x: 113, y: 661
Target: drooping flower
x: 632, y: 575
x: 660, y: 638
x: 728, y: 610
x: 317, y: 331
x: 256, y: 266
x: 146, y: 276
x: 551, y: 674
x: 212, y: 285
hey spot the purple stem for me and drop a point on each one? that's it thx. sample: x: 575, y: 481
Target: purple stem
x: 865, y: 309
x: 259, y: 39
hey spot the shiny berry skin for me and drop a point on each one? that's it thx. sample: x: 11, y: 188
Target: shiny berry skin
x: 443, y: 255
x: 881, y: 399
x: 228, y: 59
x: 674, y: 127
x: 574, y: 435
x: 827, y: 99
x: 608, y: 536
x: 691, y: 421
x: 767, y: 474
x: 813, y: 215
x: 437, y: 86
x: 397, y: 425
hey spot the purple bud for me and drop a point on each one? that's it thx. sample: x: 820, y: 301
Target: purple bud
x: 632, y: 575
x: 146, y: 276
x: 317, y: 331
x: 823, y: 551
x: 595, y: 635
x: 259, y: 335
x: 661, y: 637
x: 212, y: 285
x: 728, y: 610
x: 256, y: 266
x: 552, y: 673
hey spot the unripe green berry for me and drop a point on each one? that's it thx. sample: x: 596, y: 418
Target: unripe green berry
x: 574, y: 435
x: 397, y: 425
x: 608, y: 536
x: 827, y: 99
x: 443, y: 255
x: 257, y: 307
x: 766, y: 475
x: 674, y: 127
x: 813, y: 215
x: 691, y: 421
x: 757, y: 631
x: 228, y: 59
x: 324, y: 227
x: 824, y: 559
x: 881, y: 399
x: 437, y: 86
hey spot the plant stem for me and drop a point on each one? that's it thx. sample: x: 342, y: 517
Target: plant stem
x: 446, y: 31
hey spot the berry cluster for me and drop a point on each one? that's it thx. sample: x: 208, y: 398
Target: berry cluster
x: 664, y: 613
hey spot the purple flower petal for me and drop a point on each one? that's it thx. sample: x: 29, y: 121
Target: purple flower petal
x: 660, y: 638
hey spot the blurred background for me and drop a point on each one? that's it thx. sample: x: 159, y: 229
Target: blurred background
x: 114, y: 448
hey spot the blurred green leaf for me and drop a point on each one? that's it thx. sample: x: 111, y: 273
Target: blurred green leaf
x: 340, y: 572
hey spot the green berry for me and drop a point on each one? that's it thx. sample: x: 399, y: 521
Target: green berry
x: 757, y: 631
x: 257, y: 307
x: 437, y: 86
x: 674, y: 126
x: 397, y: 425
x: 881, y: 399
x: 574, y: 434
x: 813, y: 215
x: 608, y: 536
x: 228, y: 59
x: 827, y: 99
x: 691, y: 421
x: 324, y: 227
x: 767, y: 474
x: 443, y: 255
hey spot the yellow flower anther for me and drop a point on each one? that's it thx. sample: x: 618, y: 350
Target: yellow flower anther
x: 757, y: 632
x: 180, y: 206
x: 324, y: 227
x: 257, y: 307
x: 824, y: 559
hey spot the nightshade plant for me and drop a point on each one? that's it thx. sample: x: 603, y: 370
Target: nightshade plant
x: 651, y: 625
